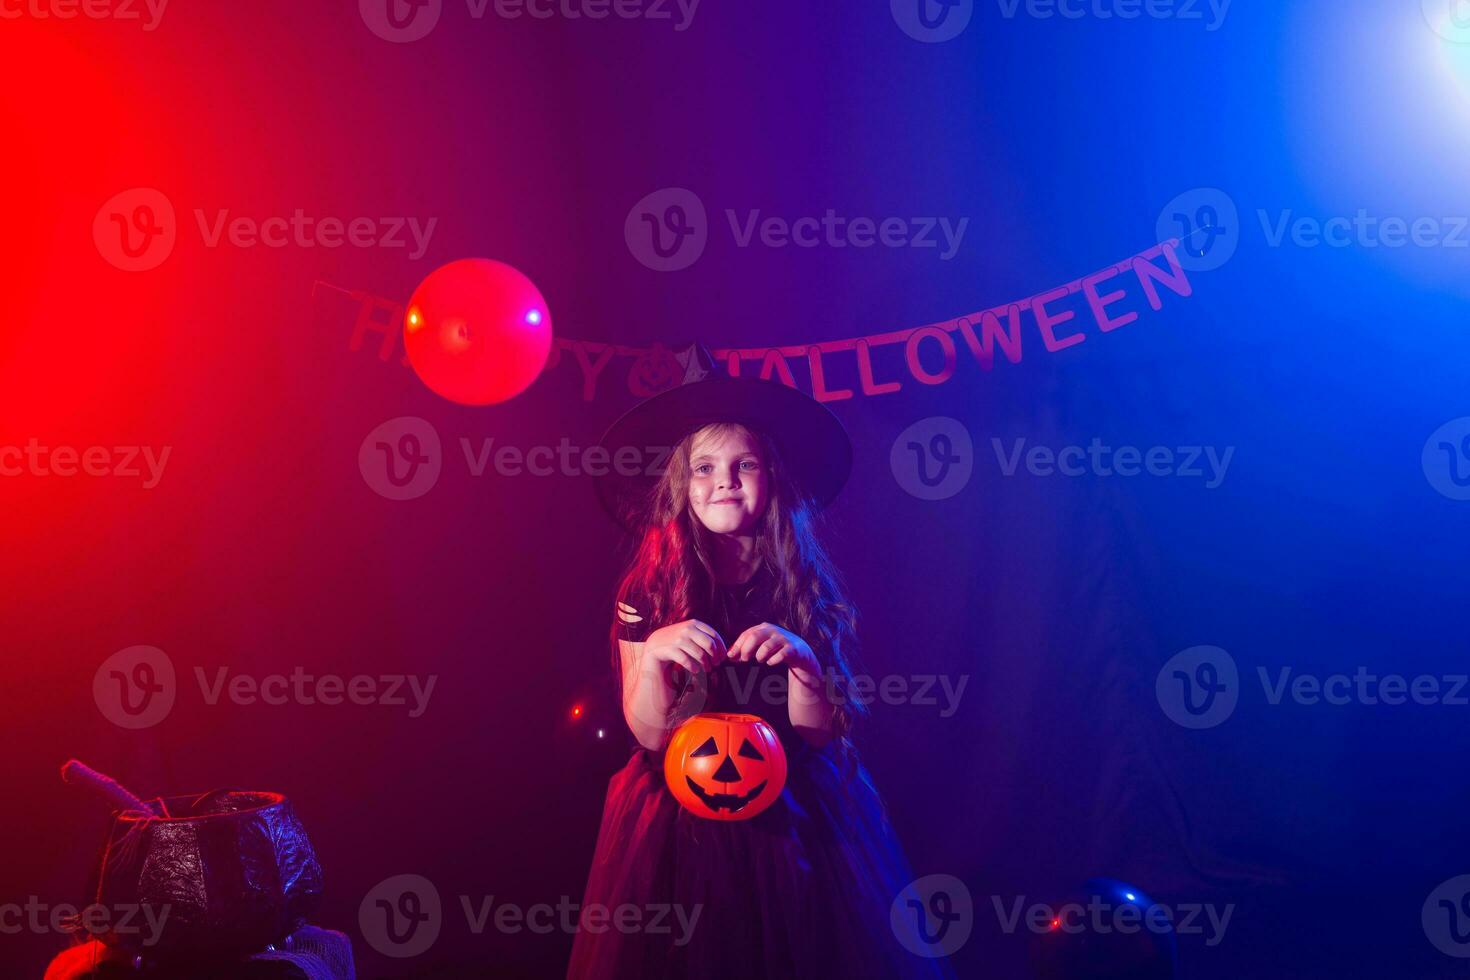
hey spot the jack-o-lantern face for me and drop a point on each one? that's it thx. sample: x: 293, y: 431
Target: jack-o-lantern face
x: 656, y: 370
x: 725, y: 766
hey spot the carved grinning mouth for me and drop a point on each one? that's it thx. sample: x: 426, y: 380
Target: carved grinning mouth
x: 733, y: 802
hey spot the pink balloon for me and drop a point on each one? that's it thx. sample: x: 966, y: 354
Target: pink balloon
x: 477, y: 331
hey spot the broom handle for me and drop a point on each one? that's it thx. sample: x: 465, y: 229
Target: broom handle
x: 79, y: 774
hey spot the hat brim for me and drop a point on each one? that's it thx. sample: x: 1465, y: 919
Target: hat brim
x: 813, y: 444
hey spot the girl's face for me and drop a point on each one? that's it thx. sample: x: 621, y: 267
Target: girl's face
x: 728, y: 481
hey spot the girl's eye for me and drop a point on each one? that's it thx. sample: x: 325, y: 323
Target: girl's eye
x: 702, y: 467
x: 752, y: 464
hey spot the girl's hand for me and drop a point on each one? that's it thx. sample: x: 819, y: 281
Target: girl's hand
x: 693, y: 645
x: 769, y: 644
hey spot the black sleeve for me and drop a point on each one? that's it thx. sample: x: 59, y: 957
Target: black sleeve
x: 634, y: 617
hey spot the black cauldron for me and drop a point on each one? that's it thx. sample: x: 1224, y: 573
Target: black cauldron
x: 226, y: 873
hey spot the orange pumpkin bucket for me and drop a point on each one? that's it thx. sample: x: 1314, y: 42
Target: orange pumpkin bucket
x: 725, y: 766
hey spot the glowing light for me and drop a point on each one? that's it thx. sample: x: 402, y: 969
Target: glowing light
x: 599, y: 733
x: 534, y: 317
x: 1056, y: 923
x: 1130, y: 896
x: 414, y: 320
x: 576, y: 711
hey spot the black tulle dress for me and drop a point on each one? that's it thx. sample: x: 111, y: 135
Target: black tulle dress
x: 804, y: 889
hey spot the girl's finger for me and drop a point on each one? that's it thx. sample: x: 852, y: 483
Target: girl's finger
x: 740, y: 649
x: 767, y: 648
x: 700, y: 657
x: 754, y: 637
x: 776, y: 658
x: 707, y: 628
x: 698, y: 639
x: 717, y: 643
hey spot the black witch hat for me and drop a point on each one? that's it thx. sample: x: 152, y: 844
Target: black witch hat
x: 814, y: 446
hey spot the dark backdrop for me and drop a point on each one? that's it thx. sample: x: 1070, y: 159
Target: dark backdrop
x: 1059, y: 600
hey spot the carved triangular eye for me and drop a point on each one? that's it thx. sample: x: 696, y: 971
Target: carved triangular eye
x: 749, y: 751
x: 708, y: 748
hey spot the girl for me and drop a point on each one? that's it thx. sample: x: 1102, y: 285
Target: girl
x: 732, y: 605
